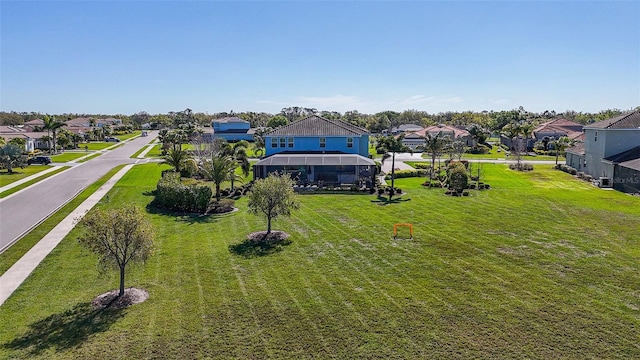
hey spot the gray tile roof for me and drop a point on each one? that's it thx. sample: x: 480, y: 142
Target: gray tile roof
x: 318, y: 126
x: 629, y: 120
x: 631, y: 154
x: 230, y: 120
x: 577, y: 149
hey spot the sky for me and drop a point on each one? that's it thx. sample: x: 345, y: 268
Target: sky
x: 123, y: 57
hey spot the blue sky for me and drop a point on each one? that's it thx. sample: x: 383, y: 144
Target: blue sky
x: 158, y: 56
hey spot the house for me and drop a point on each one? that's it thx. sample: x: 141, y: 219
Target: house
x: 608, y: 154
x: 406, y: 128
x: 19, y: 131
x: 318, y: 150
x: 555, y: 129
x: 416, y: 138
x: 232, y: 129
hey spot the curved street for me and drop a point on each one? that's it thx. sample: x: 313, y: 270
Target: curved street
x: 22, y: 211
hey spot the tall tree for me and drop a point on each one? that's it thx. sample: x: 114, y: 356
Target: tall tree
x: 389, y: 146
x: 118, y: 236
x: 219, y: 168
x: 434, y: 145
x: 52, y: 126
x: 561, y: 145
x: 238, y: 151
x: 273, y: 197
x: 177, y: 158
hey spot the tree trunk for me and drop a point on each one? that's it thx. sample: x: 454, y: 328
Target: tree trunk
x: 217, y: 192
x: 393, y: 174
x: 268, y: 225
x: 121, y: 281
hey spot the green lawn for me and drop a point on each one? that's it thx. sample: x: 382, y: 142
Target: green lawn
x: 124, y: 137
x: 17, y: 250
x: 68, y: 156
x: 7, y: 178
x: 96, y: 145
x: 542, y: 266
x: 495, y: 154
x: 33, y: 181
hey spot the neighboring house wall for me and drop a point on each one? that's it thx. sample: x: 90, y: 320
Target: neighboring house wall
x: 232, y: 129
x: 313, y: 144
x: 575, y: 160
x: 627, y: 179
x: 601, y: 143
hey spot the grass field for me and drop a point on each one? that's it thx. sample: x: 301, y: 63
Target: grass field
x: 541, y: 266
x: 16, y: 251
x: 494, y: 154
x: 124, y: 137
x: 68, y: 156
x: 96, y: 145
x: 33, y: 181
x: 7, y: 178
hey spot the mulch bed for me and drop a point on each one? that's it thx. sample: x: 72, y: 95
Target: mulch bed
x: 111, y: 300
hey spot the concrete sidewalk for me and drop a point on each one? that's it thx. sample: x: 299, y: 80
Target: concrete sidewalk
x: 18, y: 273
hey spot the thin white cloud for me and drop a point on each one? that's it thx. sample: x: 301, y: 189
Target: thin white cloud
x: 430, y: 100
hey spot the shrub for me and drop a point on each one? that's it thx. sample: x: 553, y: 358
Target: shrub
x: 573, y: 171
x: 458, y: 179
x: 398, y: 191
x: 407, y: 173
x: 424, y: 166
x: 173, y: 195
x: 380, y: 191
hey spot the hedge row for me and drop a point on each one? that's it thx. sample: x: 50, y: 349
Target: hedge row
x: 407, y: 173
x: 173, y: 195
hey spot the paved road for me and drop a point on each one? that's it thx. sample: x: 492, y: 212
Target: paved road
x: 22, y: 211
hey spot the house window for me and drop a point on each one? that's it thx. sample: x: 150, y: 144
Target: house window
x: 323, y: 142
x: 274, y: 142
x: 349, y: 142
x: 290, y: 141
x: 283, y: 142
x: 596, y: 137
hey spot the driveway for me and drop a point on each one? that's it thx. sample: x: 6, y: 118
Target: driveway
x: 22, y: 211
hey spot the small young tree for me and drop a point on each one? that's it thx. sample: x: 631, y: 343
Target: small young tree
x: 272, y: 197
x: 561, y: 145
x: 118, y: 236
x: 11, y: 156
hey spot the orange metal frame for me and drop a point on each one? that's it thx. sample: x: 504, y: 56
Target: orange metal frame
x: 395, y: 229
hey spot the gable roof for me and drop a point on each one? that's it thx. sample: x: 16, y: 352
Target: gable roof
x: 629, y: 120
x: 440, y: 128
x: 577, y: 149
x: 571, y: 128
x: 318, y: 126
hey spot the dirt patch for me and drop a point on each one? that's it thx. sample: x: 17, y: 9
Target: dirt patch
x: 111, y: 300
x: 275, y: 236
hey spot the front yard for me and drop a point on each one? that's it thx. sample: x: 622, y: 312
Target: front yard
x: 541, y: 266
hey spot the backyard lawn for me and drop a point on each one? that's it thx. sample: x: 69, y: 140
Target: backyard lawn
x: 541, y: 266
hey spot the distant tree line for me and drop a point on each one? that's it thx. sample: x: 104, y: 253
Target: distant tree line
x: 385, y: 120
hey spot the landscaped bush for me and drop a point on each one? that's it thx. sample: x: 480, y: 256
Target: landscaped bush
x: 480, y: 149
x: 422, y: 166
x: 407, y: 173
x: 458, y: 179
x: 173, y: 195
x: 523, y: 167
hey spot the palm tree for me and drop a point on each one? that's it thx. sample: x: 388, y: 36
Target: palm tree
x: 52, y: 126
x: 238, y: 151
x: 12, y: 155
x: 177, y: 158
x: 219, y: 168
x: 561, y: 144
x: 390, y: 145
x: 435, y: 145
x: 478, y: 134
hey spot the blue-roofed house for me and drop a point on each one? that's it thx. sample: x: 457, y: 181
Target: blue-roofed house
x: 232, y: 129
x: 316, y: 149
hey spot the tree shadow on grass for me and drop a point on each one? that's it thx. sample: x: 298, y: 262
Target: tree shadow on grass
x: 190, y: 218
x: 382, y: 200
x: 65, y: 330
x: 257, y: 245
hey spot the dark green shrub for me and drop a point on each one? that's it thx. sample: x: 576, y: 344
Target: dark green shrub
x: 173, y: 195
x: 398, y: 191
x: 407, y: 173
x: 424, y: 166
x: 380, y: 191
